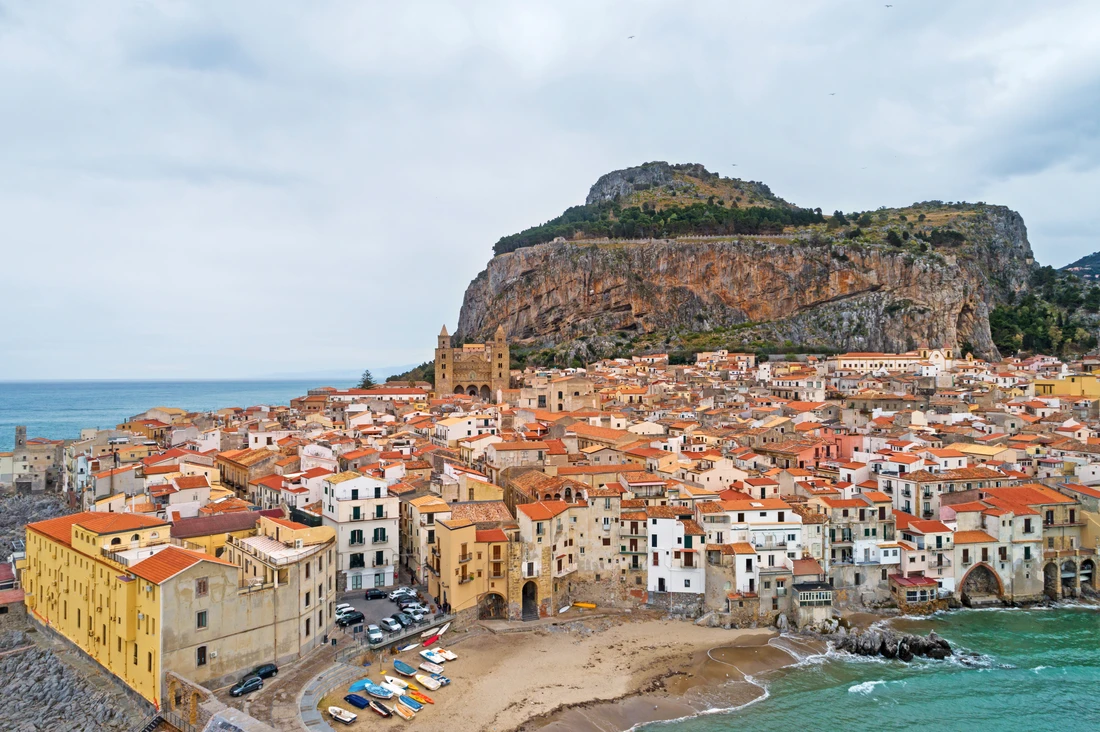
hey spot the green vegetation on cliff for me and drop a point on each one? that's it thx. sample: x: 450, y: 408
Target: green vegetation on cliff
x: 1057, y: 316
x: 423, y: 372
x: 712, y: 218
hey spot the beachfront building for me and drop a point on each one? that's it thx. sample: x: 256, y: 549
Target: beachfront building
x: 364, y: 515
x: 468, y: 571
x: 116, y: 587
x: 863, y: 548
x: 676, y: 576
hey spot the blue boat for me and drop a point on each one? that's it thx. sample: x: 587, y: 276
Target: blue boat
x: 411, y: 703
x: 443, y: 680
x: 357, y: 701
x: 403, y: 668
x: 378, y: 692
x: 359, y: 685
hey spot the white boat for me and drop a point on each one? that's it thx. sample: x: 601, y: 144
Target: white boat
x: 432, y: 668
x: 448, y: 655
x: 394, y: 681
x: 443, y: 629
x: 397, y: 690
x: 342, y: 715
x: 428, y: 682
x: 431, y: 656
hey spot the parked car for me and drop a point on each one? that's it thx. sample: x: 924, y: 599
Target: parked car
x: 374, y: 634
x: 390, y: 625
x: 343, y: 608
x: 417, y: 616
x: 266, y: 671
x: 402, y: 618
x: 375, y: 594
x: 411, y: 607
x: 400, y: 592
x: 353, y: 618
x: 407, y: 602
x: 359, y: 702
x: 247, y: 685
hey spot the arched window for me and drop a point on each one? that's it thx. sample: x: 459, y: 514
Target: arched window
x: 116, y: 541
x: 135, y: 537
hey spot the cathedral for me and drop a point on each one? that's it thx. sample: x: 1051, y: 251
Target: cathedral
x: 476, y: 369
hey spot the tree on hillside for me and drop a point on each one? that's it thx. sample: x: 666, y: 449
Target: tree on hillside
x: 366, y: 381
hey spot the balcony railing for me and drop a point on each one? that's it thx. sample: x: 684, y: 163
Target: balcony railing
x: 356, y: 542
x: 467, y: 578
x: 379, y: 539
x: 463, y: 558
x: 565, y: 569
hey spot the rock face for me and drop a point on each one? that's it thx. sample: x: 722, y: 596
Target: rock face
x: 810, y: 289
x: 888, y: 644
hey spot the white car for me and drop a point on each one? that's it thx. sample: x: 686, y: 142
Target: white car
x: 343, y: 609
x: 374, y: 634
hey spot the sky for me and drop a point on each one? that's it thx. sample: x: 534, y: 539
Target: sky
x: 243, y: 189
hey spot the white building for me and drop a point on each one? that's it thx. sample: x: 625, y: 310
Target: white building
x: 365, y: 517
x: 676, y: 551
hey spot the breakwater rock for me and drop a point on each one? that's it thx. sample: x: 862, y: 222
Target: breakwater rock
x: 886, y: 643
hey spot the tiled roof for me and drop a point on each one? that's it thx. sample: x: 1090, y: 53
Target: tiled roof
x: 973, y: 537
x: 167, y: 563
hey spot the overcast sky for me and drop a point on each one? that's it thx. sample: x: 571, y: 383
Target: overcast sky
x: 239, y: 189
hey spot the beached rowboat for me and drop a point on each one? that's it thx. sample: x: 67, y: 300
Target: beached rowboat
x: 428, y: 682
x: 403, y: 712
x: 399, y: 683
x: 342, y: 715
x: 403, y: 668
x: 430, y: 655
x: 409, y: 702
x: 380, y: 709
x: 448, y: 655
x: 432, y: 668
x: 419, y: 696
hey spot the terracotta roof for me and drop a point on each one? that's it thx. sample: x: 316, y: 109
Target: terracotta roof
x: 167, y: 563
x: 973, y: 537
x: 543, y: 510
x: 490, y: 535
x: 691, y: 528
x: 806, y: 566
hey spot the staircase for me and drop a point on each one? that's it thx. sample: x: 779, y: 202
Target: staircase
x: 530, y: 615
x: 150, y: 723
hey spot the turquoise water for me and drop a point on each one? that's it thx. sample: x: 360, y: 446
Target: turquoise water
x: 1031, y: 670
x: 60, y: 409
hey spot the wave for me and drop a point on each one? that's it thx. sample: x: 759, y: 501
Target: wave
x: 1037, y: 669
x: 866, y: 687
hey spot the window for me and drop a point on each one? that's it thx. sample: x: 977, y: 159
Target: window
x: 202, y: 586
x: 307, y: 599
x: 687, y: 583
x: 200, y: 656
x: 150, y: 669
x: 307, y: 627
x: 201, y: 620
x: 307, y: 571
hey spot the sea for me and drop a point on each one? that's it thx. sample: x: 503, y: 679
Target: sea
x: 60, y: 409
x: 1014, y: 670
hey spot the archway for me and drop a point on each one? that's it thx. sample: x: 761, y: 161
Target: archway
x: 471, y: 391
x: 485, y: 394
x: 1051, y: 582
x: 492, y: 607
x: 568, y: 494
x: 981, y: 581
x: 459, y: 389
x: 1088, y: 573
x: 530, y: 601
x: 1069, y: 579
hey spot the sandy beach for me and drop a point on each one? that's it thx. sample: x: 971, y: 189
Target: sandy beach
x: 598, y: 674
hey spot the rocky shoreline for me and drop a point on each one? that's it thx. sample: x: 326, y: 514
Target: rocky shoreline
x: 41, y: 691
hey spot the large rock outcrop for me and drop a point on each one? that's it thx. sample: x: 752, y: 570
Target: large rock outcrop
x: 813, y: 288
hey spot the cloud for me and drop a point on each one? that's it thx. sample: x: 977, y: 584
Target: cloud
x: 233, y: 189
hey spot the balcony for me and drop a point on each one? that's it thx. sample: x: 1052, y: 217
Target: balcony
x: 777, y: 569
x: 432, y: 569
x: 466, y: 579
x: 379, y: 539
x: 565, y: 569
x: 375, y: 563
x: 356, y: 542
x: 463, y: 558
x: 926, y: 495
x: 906, y: 493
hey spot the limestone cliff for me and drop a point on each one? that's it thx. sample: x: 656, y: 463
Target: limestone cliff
x: 814, y: 287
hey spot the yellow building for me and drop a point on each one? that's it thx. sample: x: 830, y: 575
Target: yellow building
x: 1075, y: 385
x: 117, y: 587
x: 468, y: 569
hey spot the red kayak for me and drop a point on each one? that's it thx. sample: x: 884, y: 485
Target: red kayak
x: 431, y: 640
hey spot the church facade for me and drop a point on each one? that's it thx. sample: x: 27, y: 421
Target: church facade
x: 475, y: 369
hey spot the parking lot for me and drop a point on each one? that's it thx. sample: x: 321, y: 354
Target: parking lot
x: 374, y: 610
